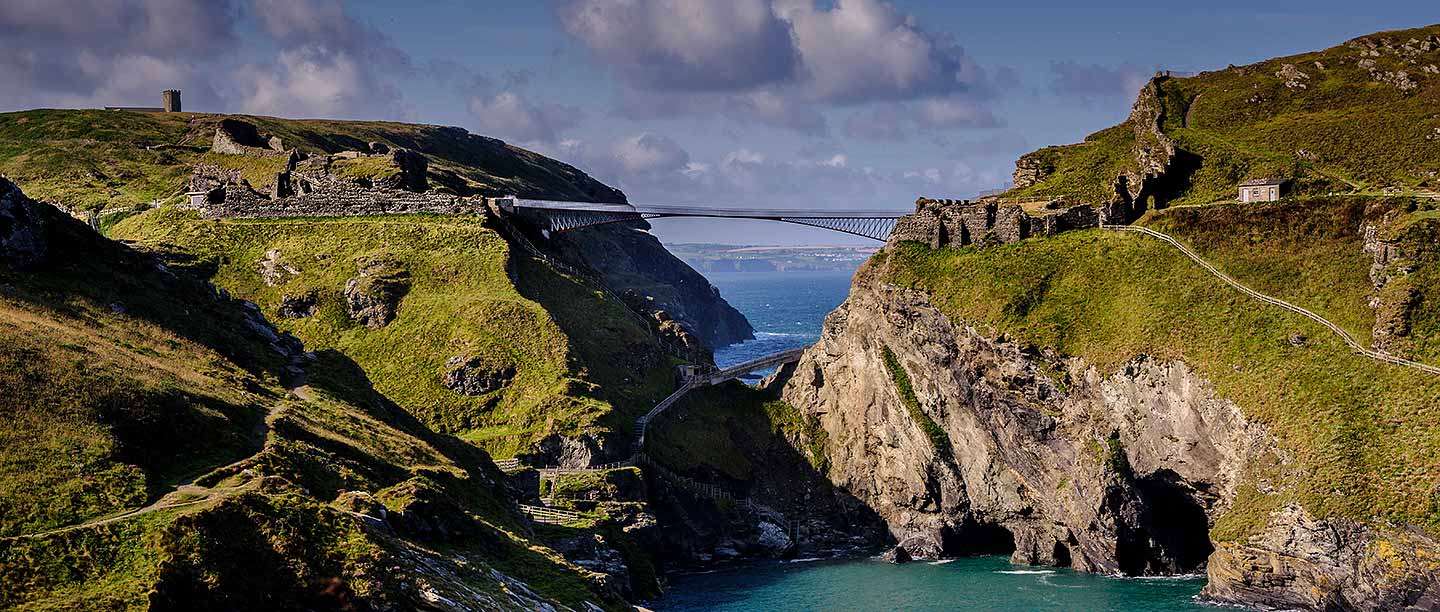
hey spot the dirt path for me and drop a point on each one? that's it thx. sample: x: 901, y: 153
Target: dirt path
x: 185, y: 494
x: 1345, y: 336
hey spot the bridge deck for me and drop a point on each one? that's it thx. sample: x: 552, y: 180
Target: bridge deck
x: 698, y: 210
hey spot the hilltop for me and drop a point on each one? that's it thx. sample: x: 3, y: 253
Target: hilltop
x: 1360, y: 116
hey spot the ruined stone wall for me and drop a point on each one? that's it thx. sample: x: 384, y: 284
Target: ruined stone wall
x: 328, y: 197
x: 941, y: 223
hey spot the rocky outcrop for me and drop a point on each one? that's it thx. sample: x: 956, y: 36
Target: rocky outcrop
x: 1398, y: 246
x: 636, y: 266
x: 474, y: 377
x: 22, y: 227
x: 1037, y: 455
x: 1031, y: 169
x: 236, y: 137
x: 1298, y: 561
x: 373, y: 296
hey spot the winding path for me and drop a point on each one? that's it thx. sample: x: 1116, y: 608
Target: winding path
x: 1345, y: 336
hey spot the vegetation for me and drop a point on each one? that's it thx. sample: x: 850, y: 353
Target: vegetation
x: 574, y: 352
x: 1362, y: 433
x: 126, y: 382
x: 367, y: 168
x: 938, y: 438
x: 1320, y: 130
x: 93, y: 159
x: 719, y: 432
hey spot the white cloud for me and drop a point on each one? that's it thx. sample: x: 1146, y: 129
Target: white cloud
x: 512, y: 116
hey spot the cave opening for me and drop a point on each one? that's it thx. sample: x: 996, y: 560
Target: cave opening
x: 1061, y: 555
x: 978, y: 539
x: 1176, y: 535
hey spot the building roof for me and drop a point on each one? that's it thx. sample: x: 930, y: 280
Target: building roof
x: 1261, y: 182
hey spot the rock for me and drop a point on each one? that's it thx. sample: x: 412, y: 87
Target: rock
x: 1030, y: 170
x: 897, y: 555
x: 23, y: 227
x: 1293, y: 78
x: 1044, y: 458
x: 414, y: 169
x: 378, y: 148
x: 236, y: 137
x: 373, y: 296
x: 773, y: 538
x: 298, y: 306
x: 1297, y: 339
x: 274, y: 271
x: 1299, y: 562
x: 472, y: 377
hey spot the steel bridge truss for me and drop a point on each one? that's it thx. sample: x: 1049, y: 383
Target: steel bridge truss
x: 557, y: 217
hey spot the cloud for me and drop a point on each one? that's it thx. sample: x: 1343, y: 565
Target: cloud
x: 650, y: 153
x: 512, y: 116
x: 1070, y: 78
x: 686, y: 45
x: 779, y: 62
x: 899, y: 121
x: 329, y: 64
x: 78, y: 53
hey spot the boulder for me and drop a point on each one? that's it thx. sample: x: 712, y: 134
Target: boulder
x: 22, y: 227
x: 298, y: 306
x: 474, y: 377
x: 236, y: 137
x: 374, y: 295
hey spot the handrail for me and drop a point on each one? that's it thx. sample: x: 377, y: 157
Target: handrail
x: 1344, y: 335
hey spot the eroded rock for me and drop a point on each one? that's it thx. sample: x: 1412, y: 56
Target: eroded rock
x: 299, y: 306
x: 474, y: 376
x: 22, y: 227
x: 373, y: 296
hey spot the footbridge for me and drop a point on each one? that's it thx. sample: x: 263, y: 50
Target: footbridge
x: 712, y: 378
x: 557, y: 216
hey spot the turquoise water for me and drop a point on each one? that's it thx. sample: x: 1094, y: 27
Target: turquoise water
x: 976, y: 583
x: 787, y: 310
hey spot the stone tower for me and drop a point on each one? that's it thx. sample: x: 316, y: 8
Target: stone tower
x: 172, y: 100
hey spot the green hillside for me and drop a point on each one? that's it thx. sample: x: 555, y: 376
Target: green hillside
x: 154, y: 454
x: 1363, y: 434
x: 94, y: 160
x: 1363, y: 117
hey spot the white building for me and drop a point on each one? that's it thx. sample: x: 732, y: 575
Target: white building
x: 1261, y: 190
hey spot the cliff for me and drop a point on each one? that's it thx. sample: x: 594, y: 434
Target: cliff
x: 1096, y: 401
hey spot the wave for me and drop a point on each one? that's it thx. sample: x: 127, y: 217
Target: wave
x: 760, y: 334
x: 1025, y: 572
x: 941, y: 562
x: 805, y: 560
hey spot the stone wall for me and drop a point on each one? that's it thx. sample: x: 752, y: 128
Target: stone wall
x: 318, y: 195
x: 942, y: 223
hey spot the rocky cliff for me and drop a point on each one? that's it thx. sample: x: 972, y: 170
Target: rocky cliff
x: 965, y: 440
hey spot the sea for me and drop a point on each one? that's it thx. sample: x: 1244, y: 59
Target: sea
x: 787, y: 311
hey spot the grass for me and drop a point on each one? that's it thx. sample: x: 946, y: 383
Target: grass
x: 903, y: 387
x: 92, y: 159
x: 367, y: 168
x: 1362, y: 433
x: 720, y: 432
x: 573, y: 351
x: 1245, y: 123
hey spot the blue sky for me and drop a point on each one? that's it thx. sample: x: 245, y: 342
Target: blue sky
x: 802, y: 103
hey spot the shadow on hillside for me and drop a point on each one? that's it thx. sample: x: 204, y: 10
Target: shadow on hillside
x: 727, y: 436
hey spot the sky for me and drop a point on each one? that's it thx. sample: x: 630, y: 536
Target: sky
x: 859, y: 104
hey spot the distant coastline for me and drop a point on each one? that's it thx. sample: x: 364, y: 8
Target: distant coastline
x: 727, y: 258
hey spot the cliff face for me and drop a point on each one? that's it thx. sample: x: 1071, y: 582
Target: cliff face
x: 1018, y: 452
x: 634, y: 264
x: 964, y: 442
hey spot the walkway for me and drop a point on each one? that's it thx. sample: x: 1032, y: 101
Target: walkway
x: 559, y: 216
x: 1345, y: 336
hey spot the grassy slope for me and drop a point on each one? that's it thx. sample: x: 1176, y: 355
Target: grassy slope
x: 571, y: 348
x: 1363, y: 434
x: 91, y: 160
x: 106, y: 410
x: 1356, y: 133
